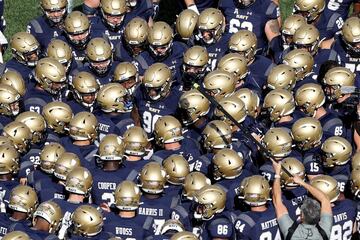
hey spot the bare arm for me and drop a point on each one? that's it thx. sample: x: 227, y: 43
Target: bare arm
x: 92, y: 3
x: 317, y: 194
x: 326, y: 44
x: 189, y: 2
x: 272, y: 29
x: 280, y: 208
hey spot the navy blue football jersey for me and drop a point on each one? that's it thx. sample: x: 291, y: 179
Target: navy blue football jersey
x: 126, y: 228
x: 344, y: 215
x: 339, y: 6
x: 216, y: 50
x: 6, y: 221
x: 332, y: 124
x: 33, y: 233
x: 252, y: 18
x: 276, y: 48
x: 116, y: 123
x: 189, y: 150
x: 158, y: 209
x: 100, y: 236
x: 37, y: 175
x: 43, y: 30
x: 123, y: 53
x: 4, y: 120
x: 103, y: 79
x: 35, y: 99
x: 292, y: 199
x: 258, y: 225
x: 24, y: 70
x: 321, y: 57
x: 48, y: 189
x: 260, y: 68
x: 5, y: 188
x: 329, y: 24
x: 30, y: 161
x: 151, y: 111
x: 143, y: 9
x: 219, y: 227
x: 311, y: 161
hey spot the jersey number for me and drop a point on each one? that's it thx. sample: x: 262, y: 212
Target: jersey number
x: 149, y: 121
x: 268, y: 236
x: 108, y: 198
x: 235, y: 25
x: 334, y: 4
x: 342, y: 233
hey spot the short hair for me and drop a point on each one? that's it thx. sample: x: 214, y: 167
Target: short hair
x: 311, y: 211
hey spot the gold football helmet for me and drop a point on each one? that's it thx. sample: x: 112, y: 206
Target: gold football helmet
x: 51, y: 212
x: 87, y: 221
x: 307, y: 133
x: 113, y: 12
x: 9, y: 100
x: 65, y: 164
x: 152, y: 178
x: 60, y: 51
x: 355, y: 160
x: 5, y: 141
x: 310, y: 9
x: 301, y: 61
x: 25, y: 48
x: 19, y: 134
x: 294, y: 167
x: 127, y: 75
x: 210, y: 200
x: 251, y: 101
x: 195, y: 62
x: 14, y: 79
x: 172, y: 226
x: 186, y: 23
x: 127, y: 196
x: 160, y: 39
x: 157, y: 81
x: 16, y: 235
x: 355, y: 182
x: 135, y: 141
x: 83, y: 126
x: 216, y: 135
x: 227, y: 164
x: 234, y: 63
x: 278, y: 142
x: 307, y: 37
x: 113, y: 97
x: 328, y: 185
x: 281, y: 76
x: 193, y: 182
x: 99, y: 54
x: 193, y: 105
x: 279, y: 103
x: 336, y: 151
x: 49, y: 155
x: 77, y: 29
x: 9, y: 160
x: 79, y: 181
x: 177, y: 168
x: 351, y: 35
x: 36, y: 123
x: 211, y: 25
x: 111, y: 148
x: 51, y: 75
x: 235, y: 107
x: 289, y: 27
x: 219, y: 84
x: 336, y: 78
x: 57, y: 116
x: 54, y: 10
x: 254, y: 190
x: 184, y: 236
x: 84, y: 87
x: 167, y: 129
x: 23, y: 199
x: 244, y: 42
x: 309, y: 97
x: 135, y: 35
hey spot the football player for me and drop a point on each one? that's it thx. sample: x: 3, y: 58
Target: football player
x: 51, y: 23
x: 62, y: 52
x: 249, y: 15
x: 50, y: 76
x: 177, y: 168
x: 20, y: 136
x: 25, y: 51
x: 14, y: 79
x: 260, y: 221
x: 155, y: 97
x: 83, y: 90
x: 185, y: 25
x: 281, y: 76
x: 10, y: 104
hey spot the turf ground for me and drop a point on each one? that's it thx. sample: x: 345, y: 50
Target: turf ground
x: 19, y: 12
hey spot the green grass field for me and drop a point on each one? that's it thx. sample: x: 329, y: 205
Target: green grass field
x: 19, y: 12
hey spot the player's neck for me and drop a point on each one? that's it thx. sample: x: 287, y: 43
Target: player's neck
x: 41, y: 225
x: 82, y: 142
x: 38, y: 87
x: 151, y: 196
x: 172, y: 146
x: 111, y: 165
x: 127, y: 214
x: 133, y: 158
x: 287, y: 118
x: 262, y: 208
x: 19, y: 215
x: 5, y: 177
x: 320, y: 112
x: 76, y: 198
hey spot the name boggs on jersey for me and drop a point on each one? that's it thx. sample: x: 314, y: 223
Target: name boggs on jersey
x: 125, y: 232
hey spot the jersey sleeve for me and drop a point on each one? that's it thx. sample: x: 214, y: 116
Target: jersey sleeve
x: 243, y: 226
x: 272, y: 10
